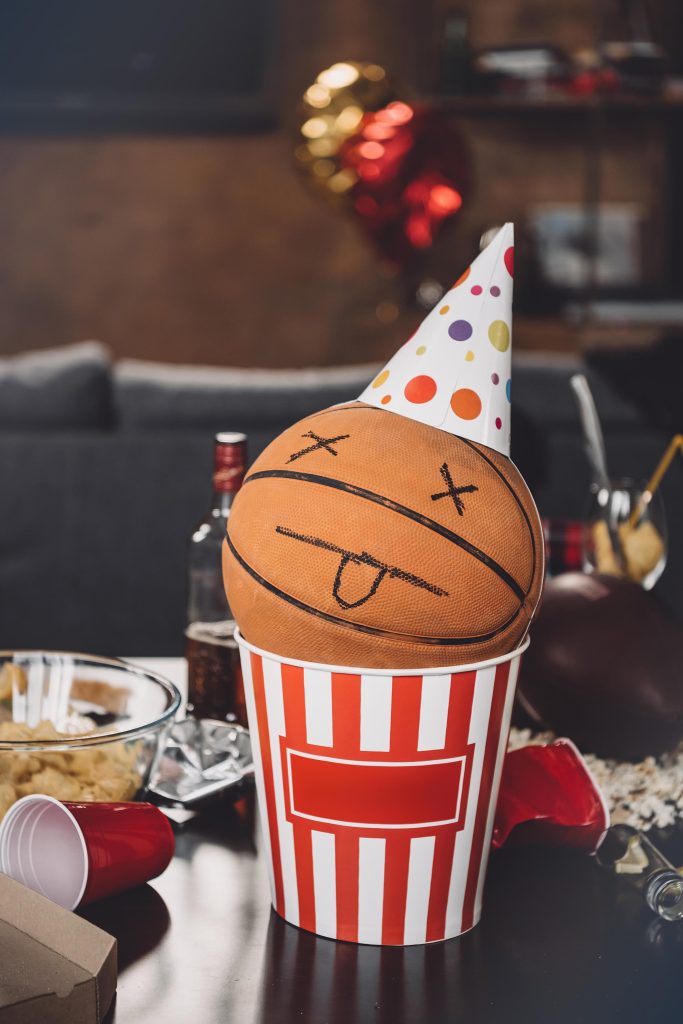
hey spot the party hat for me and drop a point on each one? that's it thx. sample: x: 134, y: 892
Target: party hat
x: 454, y: 372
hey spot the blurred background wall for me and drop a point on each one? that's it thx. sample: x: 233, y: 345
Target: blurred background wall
x: 208, y: 248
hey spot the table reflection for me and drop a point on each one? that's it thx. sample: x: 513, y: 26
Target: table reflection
x: 556, y: 943
x: 314, y: 979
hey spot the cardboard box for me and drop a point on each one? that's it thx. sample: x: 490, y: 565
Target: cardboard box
x: 55, y: 968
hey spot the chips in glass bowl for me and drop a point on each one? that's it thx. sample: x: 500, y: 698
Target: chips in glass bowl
x: 77, y: 727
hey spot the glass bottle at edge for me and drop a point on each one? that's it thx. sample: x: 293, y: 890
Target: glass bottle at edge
x: 215, y: 687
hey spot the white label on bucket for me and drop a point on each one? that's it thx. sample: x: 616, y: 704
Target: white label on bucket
x: 319, y: 789
x: 436, y: 692
x: 375, y: 712
x: 370, y: 889
x: 324, y: 882
x: 419, y: 885
x: 318, y: 698
x: 272, y: 680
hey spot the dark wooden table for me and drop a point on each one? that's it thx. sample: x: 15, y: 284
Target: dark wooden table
x: 557, y: 943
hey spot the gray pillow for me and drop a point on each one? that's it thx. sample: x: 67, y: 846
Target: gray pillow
x: 67, y: 387
x: 541, y: 390
x: 161, y: 395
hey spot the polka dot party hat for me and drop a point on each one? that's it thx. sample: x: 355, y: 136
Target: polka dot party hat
x: 454, y: 372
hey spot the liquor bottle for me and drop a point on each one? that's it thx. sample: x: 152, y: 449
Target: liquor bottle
x: 214, y: 677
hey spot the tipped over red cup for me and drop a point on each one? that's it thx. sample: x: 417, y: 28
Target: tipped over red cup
x: 77, y: 853
x: 548, y: 797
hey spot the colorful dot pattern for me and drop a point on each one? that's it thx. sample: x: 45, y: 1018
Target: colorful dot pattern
x: 499, y: 335
x: 420, y: 389
x: 466, y: 404
x: 460, y: 330
x: 458, y: 377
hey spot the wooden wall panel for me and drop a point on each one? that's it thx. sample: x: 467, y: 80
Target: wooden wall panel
x: 211, y: 250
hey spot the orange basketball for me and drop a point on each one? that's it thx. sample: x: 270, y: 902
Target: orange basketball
x: 364, y: 538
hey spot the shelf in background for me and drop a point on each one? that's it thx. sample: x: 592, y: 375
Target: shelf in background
x: 496, y: 105
x: 554, y: 334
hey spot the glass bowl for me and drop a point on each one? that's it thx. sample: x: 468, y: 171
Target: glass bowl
x: 77, y: 727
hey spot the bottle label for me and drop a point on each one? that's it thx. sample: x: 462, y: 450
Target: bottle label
x: 228, y: 467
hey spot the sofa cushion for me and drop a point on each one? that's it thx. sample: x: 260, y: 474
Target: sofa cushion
x: 67, y: 387
x: 160, y: 395
x: 541, y: 389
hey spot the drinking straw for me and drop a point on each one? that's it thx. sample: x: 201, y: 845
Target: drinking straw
x: 592, y: 431
x: 594, y: 443
x: 675, y: 445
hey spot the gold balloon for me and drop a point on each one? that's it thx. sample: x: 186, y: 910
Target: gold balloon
x: 332, y: 110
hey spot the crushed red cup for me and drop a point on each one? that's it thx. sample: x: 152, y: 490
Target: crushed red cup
x: 548, y: 797
x: 77, y: 853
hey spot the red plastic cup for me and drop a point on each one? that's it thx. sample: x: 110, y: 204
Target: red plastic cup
x: 548, y: 797
x: 76, y: 853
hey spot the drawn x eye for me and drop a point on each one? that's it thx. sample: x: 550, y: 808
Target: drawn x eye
x: 326, y: 443
x: 452, y: 491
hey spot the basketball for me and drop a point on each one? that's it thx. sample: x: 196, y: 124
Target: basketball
x: 364, y: 538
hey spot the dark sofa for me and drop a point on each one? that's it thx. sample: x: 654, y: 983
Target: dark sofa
x: 105, y: 469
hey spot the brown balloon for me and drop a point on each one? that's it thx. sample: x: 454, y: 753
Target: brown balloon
x: 605, y: 667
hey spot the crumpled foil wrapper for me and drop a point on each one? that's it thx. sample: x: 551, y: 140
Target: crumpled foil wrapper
x: 201, y: 759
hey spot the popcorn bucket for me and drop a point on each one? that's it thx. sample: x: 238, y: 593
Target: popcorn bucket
x: 377, y: 791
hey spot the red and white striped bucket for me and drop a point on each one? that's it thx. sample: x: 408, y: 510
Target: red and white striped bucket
x: 377, y: 791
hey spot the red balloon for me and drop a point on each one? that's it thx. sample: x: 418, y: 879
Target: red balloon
x: 412, y: 171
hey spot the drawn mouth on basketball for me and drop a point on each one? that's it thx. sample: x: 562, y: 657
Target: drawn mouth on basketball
x: 359, y: 574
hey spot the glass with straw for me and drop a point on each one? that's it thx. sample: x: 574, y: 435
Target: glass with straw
x: 626, y: 531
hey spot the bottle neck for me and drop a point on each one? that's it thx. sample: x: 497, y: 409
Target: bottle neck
x: 221, y: 502
x: 229, y: 462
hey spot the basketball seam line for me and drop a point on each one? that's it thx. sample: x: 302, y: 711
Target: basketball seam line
x: 511, y: 489
x: 404, y: 510
x: 361, y: 627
